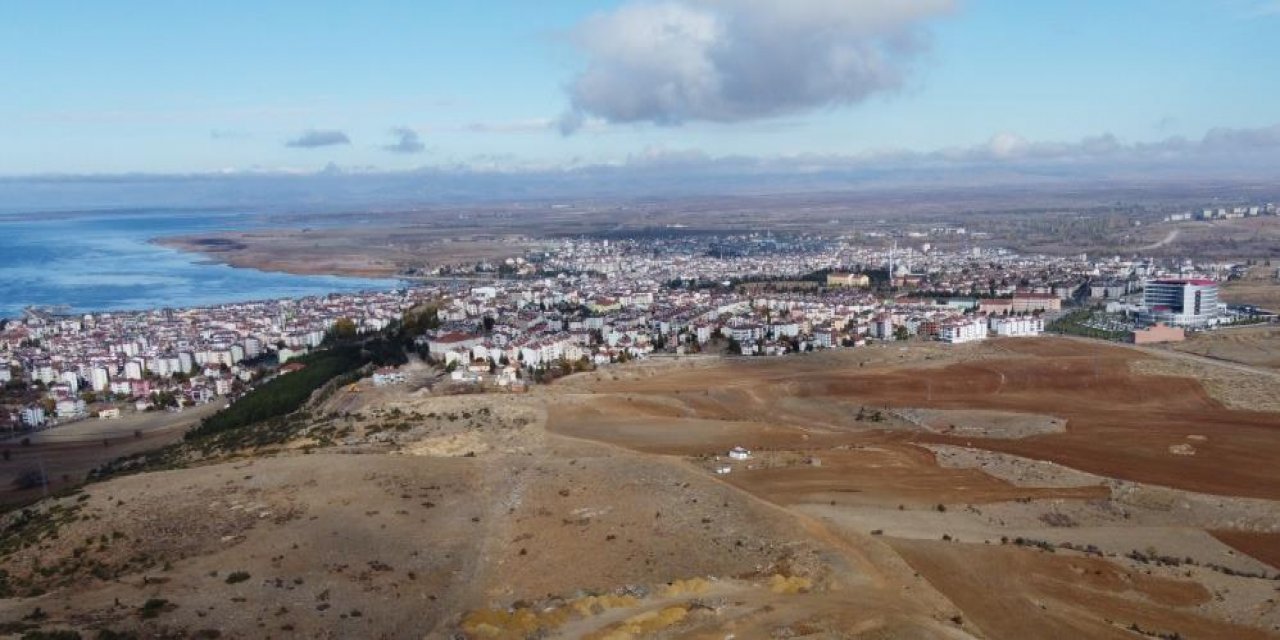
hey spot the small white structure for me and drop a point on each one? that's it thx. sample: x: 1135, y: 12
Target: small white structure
x: 287, y: 354
x: 723, y: 470
x: 387, y: 376
x: 739, y: 453
x: 109, y: 414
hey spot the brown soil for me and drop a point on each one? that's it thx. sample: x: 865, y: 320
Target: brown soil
x: 888, y: 474
x: 1021, y: 593
x: 590, y: 509
x: 1264, y: 547
x: 1119, y: 424
x: 66, y: 454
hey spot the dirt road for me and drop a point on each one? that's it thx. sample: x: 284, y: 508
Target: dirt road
x: 1168, y: 239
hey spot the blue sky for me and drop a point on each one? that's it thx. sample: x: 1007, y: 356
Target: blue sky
x: 165, y: 87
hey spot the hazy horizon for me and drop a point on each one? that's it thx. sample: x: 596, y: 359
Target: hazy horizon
x: 873, y: 90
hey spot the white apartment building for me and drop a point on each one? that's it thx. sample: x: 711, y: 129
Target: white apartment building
x: 98, y: 379
x: 71, y: 408
x: 33, y: 416
x: 962, y: 331
x: 703, y: 333
x: 71, y: 379
x: 1016, y: 326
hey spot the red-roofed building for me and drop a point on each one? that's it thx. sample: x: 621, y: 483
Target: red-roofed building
x: 451, y: 341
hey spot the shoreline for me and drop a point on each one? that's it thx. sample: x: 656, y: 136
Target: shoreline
x: 219, y: 249
x: 359, y: 251
x: 67, y: 311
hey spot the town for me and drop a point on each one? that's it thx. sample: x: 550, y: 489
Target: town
x: 640, y: 320
x: 592, y: 302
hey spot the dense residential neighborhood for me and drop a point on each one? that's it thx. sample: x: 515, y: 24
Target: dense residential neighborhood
x: 590, y: 303
x: 171, y: 358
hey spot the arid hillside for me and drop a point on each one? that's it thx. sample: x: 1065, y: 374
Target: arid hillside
x: 1013, y: 489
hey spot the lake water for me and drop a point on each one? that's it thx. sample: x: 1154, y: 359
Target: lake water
x: 103, y: 261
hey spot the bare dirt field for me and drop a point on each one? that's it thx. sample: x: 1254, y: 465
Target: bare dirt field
x: 1084, y: 499
x: 1253, y: 346
x: 1260, y: 287
x: 1263, y: 546
x: 1119, y: 424
x: 65, y: 454
x: 1021, y: 593
x: 1226, y: 239
x: 1235, y: 385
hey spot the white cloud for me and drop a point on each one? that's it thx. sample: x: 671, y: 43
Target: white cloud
x: 672, y: 61
x: 1219, y: 148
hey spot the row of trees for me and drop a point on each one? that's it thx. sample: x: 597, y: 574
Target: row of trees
x: 283, y: 394
x: 287, y: 393
x: 1075, y: 324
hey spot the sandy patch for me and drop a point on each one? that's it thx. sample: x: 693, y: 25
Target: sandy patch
x: 1016, y: 470
x: 982, y: 424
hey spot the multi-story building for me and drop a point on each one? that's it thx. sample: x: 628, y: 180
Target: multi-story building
x: 99, y: 379
x: 1182, y: 302
x: 33, y: 416
x: 1017, y: 326
x: 843, y: 279
x: 960, y: 331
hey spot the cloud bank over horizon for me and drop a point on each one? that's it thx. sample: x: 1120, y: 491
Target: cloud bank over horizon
x: 1250, y: 153
x: 668, y: 62
x: 1237, y: 160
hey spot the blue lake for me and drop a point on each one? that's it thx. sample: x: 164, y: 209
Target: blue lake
x: 103, y: 261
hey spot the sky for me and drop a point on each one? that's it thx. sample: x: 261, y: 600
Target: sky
x: 161, y: 87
